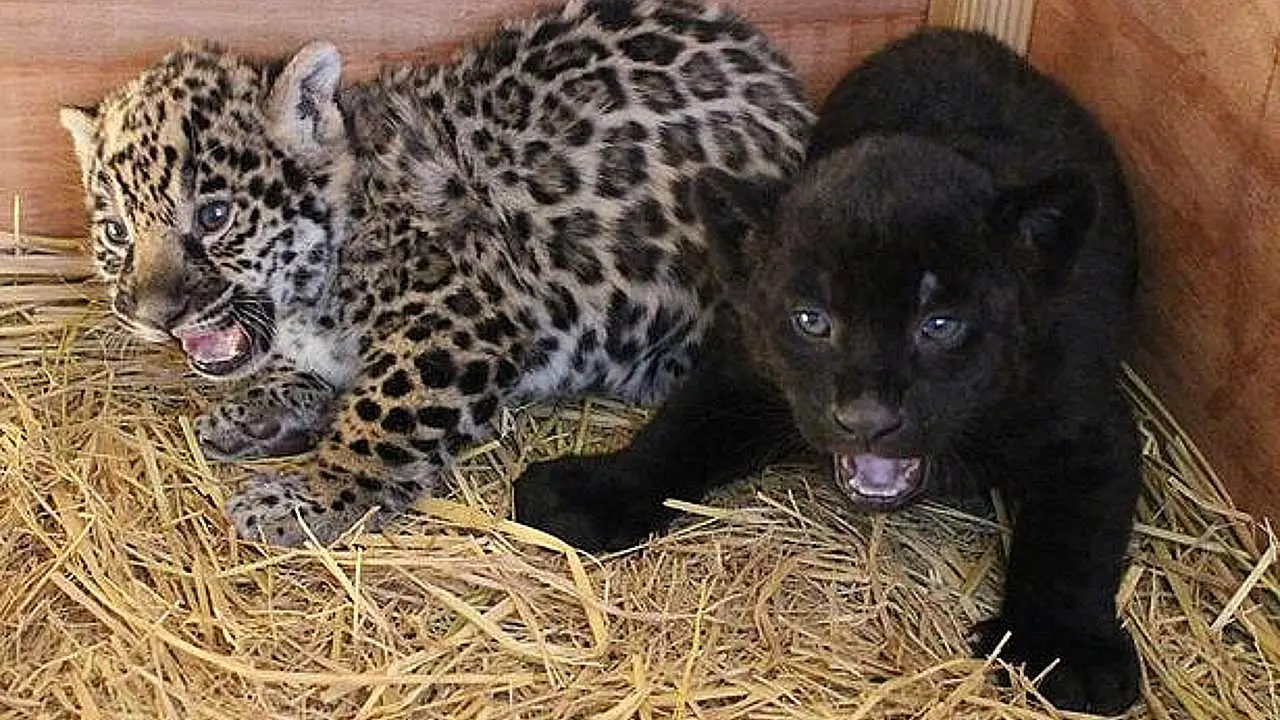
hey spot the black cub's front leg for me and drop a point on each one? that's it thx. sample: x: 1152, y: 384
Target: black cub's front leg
x: 721, y: 423
x: 595, y: 503
x: 1067, y: 558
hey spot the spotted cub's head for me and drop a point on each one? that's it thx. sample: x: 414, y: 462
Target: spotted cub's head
x: 214, y: 188
x: 898, y: 296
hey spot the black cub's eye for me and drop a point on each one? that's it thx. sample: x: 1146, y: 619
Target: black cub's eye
x: 213, y: 216
x: 943, y: 329
x: 811, y: 322
x: 114, y: 230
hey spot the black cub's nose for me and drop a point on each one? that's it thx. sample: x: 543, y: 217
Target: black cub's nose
x: 868, y: 418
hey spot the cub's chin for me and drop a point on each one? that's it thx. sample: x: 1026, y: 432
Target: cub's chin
x: 881, y: 483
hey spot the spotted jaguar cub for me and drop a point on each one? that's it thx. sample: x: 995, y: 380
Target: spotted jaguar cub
x: 389, y: 264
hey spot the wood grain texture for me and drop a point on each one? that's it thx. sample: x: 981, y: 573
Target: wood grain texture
x: 1189, y: 89
x: 1009, y: 20
x: 72, y: 52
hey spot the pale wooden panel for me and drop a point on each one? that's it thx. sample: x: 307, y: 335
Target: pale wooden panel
x: 1009, y: 20
x: 70, y: 52
x: 1188, y: 88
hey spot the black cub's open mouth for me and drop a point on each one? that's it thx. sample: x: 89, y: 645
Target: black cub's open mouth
x: 217, y: 352
x: 879, y: 482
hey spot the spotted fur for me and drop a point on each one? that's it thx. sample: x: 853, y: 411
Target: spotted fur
x: 391, y: 263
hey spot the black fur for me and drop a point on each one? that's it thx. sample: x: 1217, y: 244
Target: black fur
x: 962, y: 249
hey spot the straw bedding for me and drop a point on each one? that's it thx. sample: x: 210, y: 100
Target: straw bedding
x: 123, y: 593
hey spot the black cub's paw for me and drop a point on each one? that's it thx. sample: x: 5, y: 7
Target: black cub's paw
x: 1096, y: 673
x: 593, y: 503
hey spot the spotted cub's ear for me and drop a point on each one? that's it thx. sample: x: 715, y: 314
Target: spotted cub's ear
x: 735, y: 212
x: 1046, y: 223
x: 302, y: 109
x: 82, y: 123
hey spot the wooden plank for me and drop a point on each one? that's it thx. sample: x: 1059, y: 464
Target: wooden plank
x: 73, y: 51
x: 943, y: 13
x: 1009, y: 20
x: 1188, y: 88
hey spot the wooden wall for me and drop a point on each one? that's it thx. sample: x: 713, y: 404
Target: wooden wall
x: 71, y: 52
x: 1189, y: 89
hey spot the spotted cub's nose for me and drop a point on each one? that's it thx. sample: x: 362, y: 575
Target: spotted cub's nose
x: 154, y: 309
x: 867, y: 418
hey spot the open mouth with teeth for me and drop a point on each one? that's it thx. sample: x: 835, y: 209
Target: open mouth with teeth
x: 218, y: 351
x: 880, y: 482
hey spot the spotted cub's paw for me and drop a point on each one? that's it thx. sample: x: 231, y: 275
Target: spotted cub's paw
x: 271, y: 508
x: 248, y: 430
x: 1097, y: 672
x: 592, y: 503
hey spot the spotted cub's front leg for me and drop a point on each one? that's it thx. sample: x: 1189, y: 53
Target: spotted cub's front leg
x: 393, y: 432
x: 285, y: 412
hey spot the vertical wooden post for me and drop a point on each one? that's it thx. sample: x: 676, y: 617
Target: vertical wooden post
x: 1009, y: 20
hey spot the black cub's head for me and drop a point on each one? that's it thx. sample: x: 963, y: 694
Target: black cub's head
x: 896, y: 296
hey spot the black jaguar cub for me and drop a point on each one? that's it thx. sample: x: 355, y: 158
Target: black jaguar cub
x: 944, y: 292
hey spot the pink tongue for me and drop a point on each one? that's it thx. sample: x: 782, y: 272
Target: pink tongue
x: 884, y: 477
x: 216, y: 345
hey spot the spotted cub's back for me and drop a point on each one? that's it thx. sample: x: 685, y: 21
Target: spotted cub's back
x: 576, y: 137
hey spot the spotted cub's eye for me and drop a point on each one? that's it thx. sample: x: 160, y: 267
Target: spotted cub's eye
x: 943, y: 329
x: 114, y: 230
x: 812, y: 322
x: 213, y: 216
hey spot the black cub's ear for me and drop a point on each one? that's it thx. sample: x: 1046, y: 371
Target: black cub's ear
x: 1047, y: 223
x: 734, y: 210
